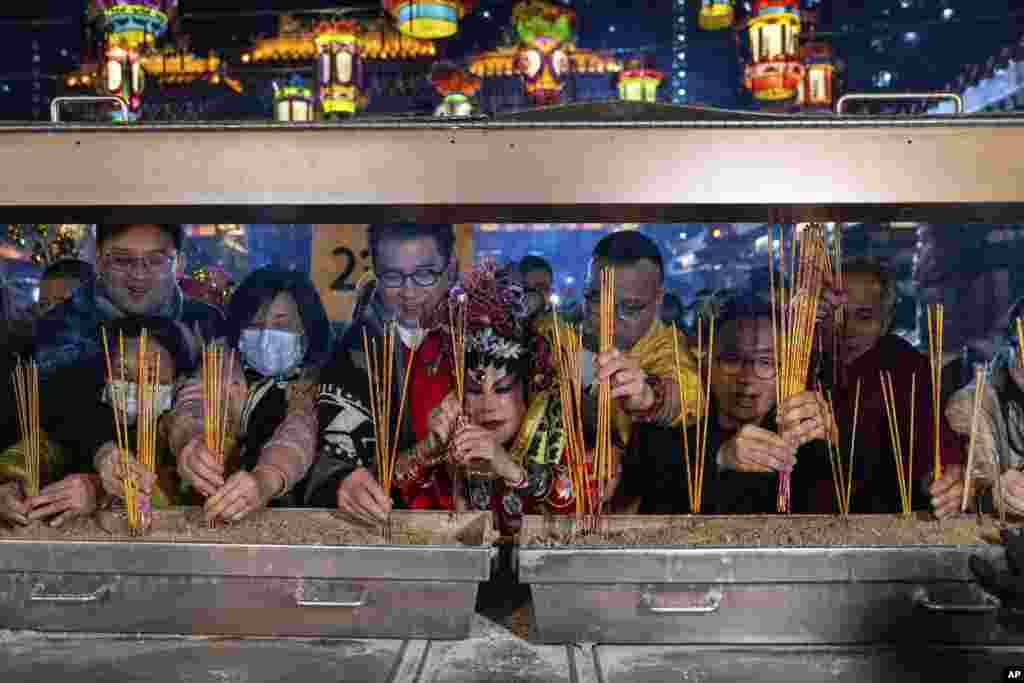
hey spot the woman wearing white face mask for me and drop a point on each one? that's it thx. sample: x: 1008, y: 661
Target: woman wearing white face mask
x: 278, y: 325
x: 169, y: 341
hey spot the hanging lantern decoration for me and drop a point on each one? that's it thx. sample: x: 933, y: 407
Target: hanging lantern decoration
x: 546, y: 31
x: 338, y: 67
x: 638, y: 83
x: 134, y: 24
x: 816, y: 87
x: 457, y: 86
x: 716, y: 15
x: 123, y: 77
x: 774, y: 72
x: 428, y: 19
x: 293, y: 102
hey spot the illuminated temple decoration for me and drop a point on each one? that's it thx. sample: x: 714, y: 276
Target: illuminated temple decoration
x: 774, y: 72
x: 638, y: 83
x: 177, y: 68
x: 457, y: 86
x: 377, y: 40
x: 428, y: 19
x: 715, y: 15
x: 546, y: 52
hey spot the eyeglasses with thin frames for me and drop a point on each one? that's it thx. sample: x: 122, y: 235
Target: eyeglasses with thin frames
x: 421, y: 278
x: 733, y: 363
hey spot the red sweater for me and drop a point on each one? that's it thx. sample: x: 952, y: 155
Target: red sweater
x: 430, y: 382
x: 875, y: 486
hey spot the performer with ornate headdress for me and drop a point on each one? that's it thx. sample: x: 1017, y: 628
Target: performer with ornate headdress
x: 511, y: 441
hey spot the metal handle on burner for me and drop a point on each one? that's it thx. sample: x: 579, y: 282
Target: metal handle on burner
x: 712, y: 602
x: 74, y: 598
x: 57, y: 101
x: 958, y: 102
x: 350, y: 604
x: 923, y: 600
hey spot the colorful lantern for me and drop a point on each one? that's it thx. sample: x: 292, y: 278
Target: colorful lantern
x: 293, y: 102
x: 637, y: 83
x: 715, y: 15
x: 546, y: 30
x: 774, y: 31
x: 457, y: 87
x: 132, y: 24
x: 123, y: 77
x: 429, y: 19
x: 338, y: 66
x: 774, y: 81
x: 816, y: 86
x: 774, y: 72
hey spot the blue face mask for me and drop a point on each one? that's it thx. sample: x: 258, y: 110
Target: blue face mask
x: 271, y: 353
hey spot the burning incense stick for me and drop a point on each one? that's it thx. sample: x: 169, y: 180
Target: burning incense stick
x: 904, y: 467
x: 695, y: 472
x: 26, y: 391
x: 567, y: 355
x: 935, y: 326
x: 980, y: 373
x: 119, y: 404
x: 216, y: 399
x: 380, y: 365
x: 604, y: 453
x: 842, y: 477
x: 794, y: 317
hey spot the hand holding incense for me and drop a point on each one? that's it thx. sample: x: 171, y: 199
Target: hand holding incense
x: 380, y: 363
x: 980, y: 373
x: 794, y: 317
x: 217, y: 375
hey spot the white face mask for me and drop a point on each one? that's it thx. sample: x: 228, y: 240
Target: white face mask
x: 163, y: 397
x: 271, y: 353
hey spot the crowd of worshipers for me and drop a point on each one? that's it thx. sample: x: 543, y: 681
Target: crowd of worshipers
x: 301, y: 428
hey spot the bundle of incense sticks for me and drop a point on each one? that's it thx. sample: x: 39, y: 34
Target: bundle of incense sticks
x: 835, y: 266
x: 146, y: 418
x: 842, y: 476
x: 794, y: 317
x: 380, y: 363
x: 702, y: 412
x: 980, y: 374
x: 568, y: 348
x: 26, y: 391
x: 935, y: 321
x: 119, y: 403
x: 904, y: 467
x: 216, y: 398
x: 457, y: 336
x: 604, y: 452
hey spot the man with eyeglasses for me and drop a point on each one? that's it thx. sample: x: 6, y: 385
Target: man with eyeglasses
x: 414, y: 267
x: 748, y: 444
x: 136, y: 269
x: 641, y: 366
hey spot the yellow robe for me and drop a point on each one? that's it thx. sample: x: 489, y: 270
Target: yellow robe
x: 655, y: 353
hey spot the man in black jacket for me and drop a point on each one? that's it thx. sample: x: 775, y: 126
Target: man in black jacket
x: 747, y: 444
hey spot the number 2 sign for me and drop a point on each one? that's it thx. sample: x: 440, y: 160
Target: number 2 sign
x: 341, y: 257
